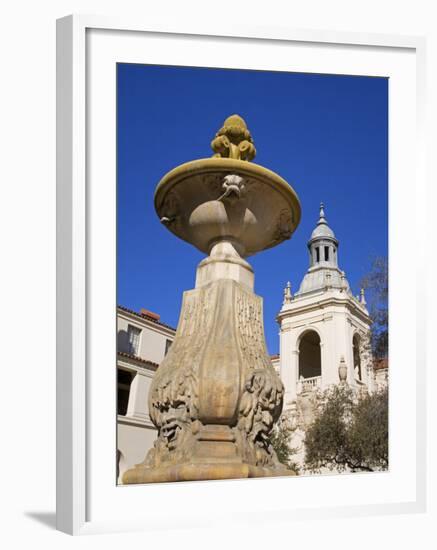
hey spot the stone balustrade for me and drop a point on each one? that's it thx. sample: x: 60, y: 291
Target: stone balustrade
x: 309, y: 384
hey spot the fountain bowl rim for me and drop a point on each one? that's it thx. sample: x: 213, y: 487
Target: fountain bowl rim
x: 228, y: 166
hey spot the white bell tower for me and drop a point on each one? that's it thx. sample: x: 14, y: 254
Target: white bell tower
x: 323, y: 326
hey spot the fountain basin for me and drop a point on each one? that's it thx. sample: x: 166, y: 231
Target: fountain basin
x: 210, y: 200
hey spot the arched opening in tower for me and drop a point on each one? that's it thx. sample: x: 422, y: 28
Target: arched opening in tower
x: 310, y: 361
x: 357, y: 356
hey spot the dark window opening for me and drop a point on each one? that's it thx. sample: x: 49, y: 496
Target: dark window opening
x: 133, y: 335
x: 310, y: 361
x: 168, y: 343
x: 124, y: 381
x: 317, y: 254
x: 357, y: 356
x: 326, y: 253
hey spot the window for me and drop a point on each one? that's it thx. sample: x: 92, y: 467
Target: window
x: 357, y: 356
x: 133, y: 337
x: 168, y: 343
x: 310, y: 360
x: 124, y: 381
x: 317, y: 254
x: 326, y: 253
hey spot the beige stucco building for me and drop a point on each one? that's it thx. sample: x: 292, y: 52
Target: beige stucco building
x: 143, y: 341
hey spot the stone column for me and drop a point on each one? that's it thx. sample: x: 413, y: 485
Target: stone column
x: 139, y: 390
x: 289, y: 366
x: 216, y: 396
x: 292, y: 379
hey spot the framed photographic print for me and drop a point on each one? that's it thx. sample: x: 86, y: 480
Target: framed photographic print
x: 237, y: 234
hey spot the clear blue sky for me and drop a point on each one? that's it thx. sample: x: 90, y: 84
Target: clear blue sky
x: 326, y: 135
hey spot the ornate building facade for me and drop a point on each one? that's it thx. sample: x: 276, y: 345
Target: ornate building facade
x: 324, y: 328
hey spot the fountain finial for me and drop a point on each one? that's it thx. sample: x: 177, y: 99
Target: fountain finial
x: 234, y: 140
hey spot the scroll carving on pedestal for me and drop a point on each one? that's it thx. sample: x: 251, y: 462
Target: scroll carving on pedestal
x: 173, y: 402
x: 251, y: 331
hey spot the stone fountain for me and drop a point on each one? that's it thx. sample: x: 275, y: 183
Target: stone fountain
x: 215, y: 397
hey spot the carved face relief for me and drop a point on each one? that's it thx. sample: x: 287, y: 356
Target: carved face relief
x: 260, y: 407
x: 170, y: 209
x: 233, y: 188
x: 173, y: 408
x: 175, y: 420
x: 262, y: 427
x: 285, y: 225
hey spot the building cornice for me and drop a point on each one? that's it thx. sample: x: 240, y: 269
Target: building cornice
x: 318, y: 302
x: 134, y: 360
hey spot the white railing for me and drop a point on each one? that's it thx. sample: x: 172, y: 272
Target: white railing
x: 309, y: 384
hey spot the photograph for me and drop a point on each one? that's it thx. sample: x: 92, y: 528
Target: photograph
x: 218, y: 275
x: 252, y: 274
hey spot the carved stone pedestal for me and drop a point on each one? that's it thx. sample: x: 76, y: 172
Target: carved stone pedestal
x: 216, y: 396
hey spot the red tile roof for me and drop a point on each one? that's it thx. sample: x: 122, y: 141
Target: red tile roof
x: 381, y: 364
x: 138, y: 359
x: 148, y: 313
x: 148, y: 317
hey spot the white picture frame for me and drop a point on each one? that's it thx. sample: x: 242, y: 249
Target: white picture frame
x: 75, y: 463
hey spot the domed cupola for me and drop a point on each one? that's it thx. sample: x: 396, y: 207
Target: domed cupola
x: 323, y: 245
x: 323, y: 270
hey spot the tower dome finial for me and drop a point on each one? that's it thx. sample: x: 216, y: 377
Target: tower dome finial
x: 322, y: 228
x: 323, y: 273
x: 322, y: 218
